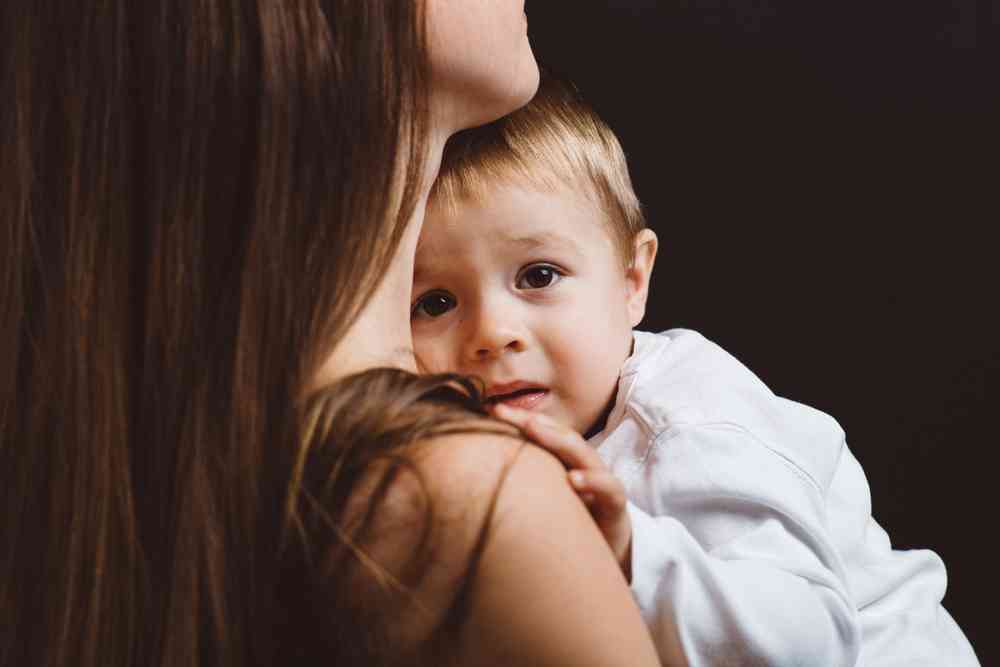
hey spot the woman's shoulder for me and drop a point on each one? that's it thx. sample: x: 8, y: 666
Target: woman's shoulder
x: 456, y: 489
x: 450, y: 523
x: 536, y: 571
x: 429, y: 528
x: 475, y: 465
x: 479, y: 553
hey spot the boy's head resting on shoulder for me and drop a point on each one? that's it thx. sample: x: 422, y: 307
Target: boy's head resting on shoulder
x: 534, y: 260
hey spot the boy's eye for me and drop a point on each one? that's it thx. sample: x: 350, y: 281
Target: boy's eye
x: 538, y: 276
x: 434, y: 304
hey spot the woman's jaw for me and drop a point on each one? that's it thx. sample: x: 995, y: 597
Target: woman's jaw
x: 481, y: 62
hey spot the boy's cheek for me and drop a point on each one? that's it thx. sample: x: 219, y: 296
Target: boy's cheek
x: 430, y: 359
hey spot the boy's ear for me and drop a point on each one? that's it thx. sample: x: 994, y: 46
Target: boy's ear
x: 637, y: 275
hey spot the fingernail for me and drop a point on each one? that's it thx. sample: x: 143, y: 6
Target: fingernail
x: 576, y: 478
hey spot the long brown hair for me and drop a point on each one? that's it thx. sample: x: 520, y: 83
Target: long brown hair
x: 193, y: 206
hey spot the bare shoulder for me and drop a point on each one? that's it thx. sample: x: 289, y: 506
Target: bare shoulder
x: 517, y: 570
x: 480, y: 481
x: 469, y: 468
x: 540, y: 584
x: 429, y: 520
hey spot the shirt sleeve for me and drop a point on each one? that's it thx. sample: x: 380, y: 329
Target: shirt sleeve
x: 730, y: 555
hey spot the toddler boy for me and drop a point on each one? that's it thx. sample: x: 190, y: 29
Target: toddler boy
x: 748, y: 536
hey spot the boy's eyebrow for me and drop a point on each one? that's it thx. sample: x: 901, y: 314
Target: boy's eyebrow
x: 422, y: 269
x: 540, y: 239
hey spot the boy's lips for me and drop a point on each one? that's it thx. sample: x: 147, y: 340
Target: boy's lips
x: 523, y: 395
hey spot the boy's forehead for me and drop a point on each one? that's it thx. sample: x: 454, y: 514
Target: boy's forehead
x: 520, y: 215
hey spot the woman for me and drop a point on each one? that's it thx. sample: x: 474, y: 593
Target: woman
x: 210, y: 211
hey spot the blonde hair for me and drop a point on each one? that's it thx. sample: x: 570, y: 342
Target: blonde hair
x: 556, y: 141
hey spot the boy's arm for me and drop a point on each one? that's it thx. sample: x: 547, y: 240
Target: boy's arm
x: 761, y: 584
x: 743, y: 568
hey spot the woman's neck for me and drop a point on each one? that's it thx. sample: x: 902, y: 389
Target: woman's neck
x: 432, y: 165
x: 432, y: 162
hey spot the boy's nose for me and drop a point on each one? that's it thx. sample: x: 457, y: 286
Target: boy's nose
x: 493, y: 336
x: 489, y: 350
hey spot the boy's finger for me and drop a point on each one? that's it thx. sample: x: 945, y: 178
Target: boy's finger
x: 517, y: 416
x: 607, y: 490
x: 562, y: 441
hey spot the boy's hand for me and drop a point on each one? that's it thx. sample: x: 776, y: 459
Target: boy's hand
x: 599, y: 489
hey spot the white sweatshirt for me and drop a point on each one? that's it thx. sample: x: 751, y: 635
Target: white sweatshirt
x: 753, y: 540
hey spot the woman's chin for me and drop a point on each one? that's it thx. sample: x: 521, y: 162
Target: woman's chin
x: 523, y: 84
x: 498, y: 99
x: 527, y: 83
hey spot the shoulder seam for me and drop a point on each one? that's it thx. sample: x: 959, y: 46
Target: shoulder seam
x: 673, y: 430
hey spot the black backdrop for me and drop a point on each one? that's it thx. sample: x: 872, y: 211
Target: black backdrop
x: 821, y: 176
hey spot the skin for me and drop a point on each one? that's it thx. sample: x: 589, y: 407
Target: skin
x: 534, y: 590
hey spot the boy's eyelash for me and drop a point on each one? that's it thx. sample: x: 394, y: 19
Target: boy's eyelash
x: 422, y: 299
x: 541, y: 265
x: 557, y: 272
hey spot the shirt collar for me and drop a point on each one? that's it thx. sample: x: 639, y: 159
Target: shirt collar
x: 641, y: 347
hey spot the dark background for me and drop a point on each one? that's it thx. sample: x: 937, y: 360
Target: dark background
x: 821, y: 177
